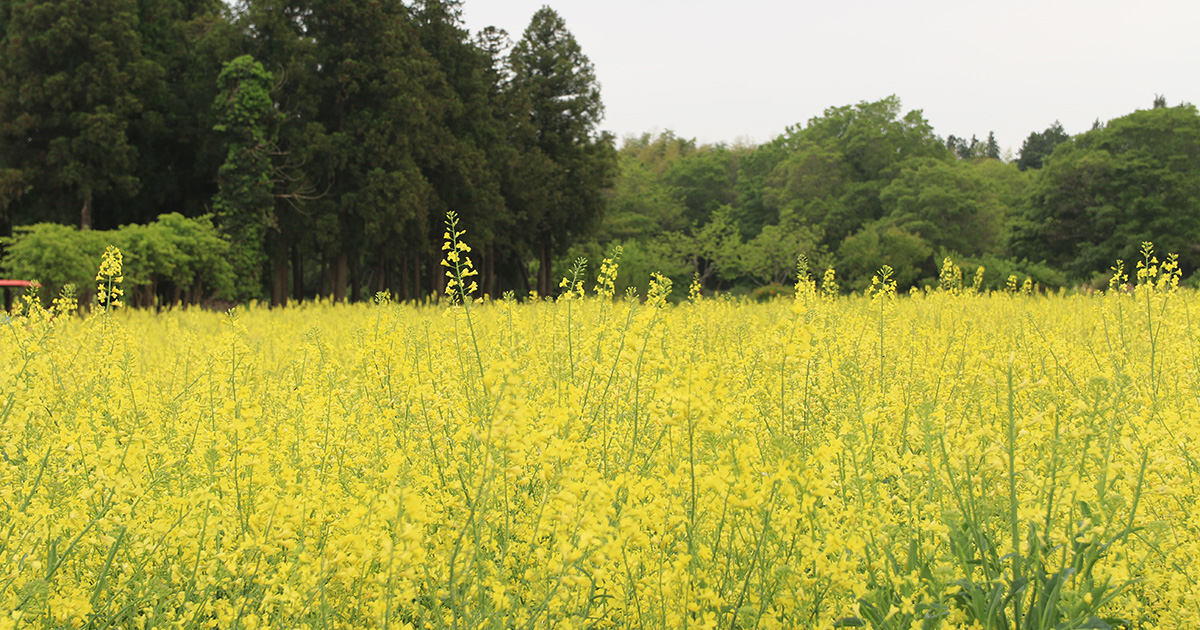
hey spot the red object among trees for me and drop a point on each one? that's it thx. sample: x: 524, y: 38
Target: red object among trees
x: 7, y: 284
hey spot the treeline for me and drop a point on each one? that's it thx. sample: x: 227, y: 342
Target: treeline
x: 326, y: 140
x: 866, y: 185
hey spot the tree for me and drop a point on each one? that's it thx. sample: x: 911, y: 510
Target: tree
x: 70, y: 75
x: 705, y: 180
x: 712, y: 251
x: 975, y: 149
x: 991, y: 148
x: 951, y: 205
x: 1038, y: 146
x: 561, y: 110
x: 178, y: 155
x: 807, y: 185
x: 869, y: 142
x: 277, y: 34
x: 1102, y: 194
x: 383, y: 105
x: 770, y: 257
x: 640, y: 205
x: 466, y: 174
x: 245, y: 202
x: 882, y: 243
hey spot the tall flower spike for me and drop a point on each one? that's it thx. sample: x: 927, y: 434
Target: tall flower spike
x: 573, y: 286
x: 829, y: 285
x: 459, y: 269
x: 883, y: 284
x: 108, y: 291
x: 606, y: 281
x: 660, y: 288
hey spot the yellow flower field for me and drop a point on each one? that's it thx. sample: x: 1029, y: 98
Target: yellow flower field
x: 946, y: 459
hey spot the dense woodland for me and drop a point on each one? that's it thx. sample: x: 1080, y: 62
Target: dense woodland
x: 869, y: 184
x: 287, y: 149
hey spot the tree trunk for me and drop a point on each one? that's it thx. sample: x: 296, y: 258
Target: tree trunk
x: 324, y: 290
x: 356, y: 281
x: 85, y: 215
x: 279, y: 285
x: 404, y: 279
x: 524, y: 274
x: 544, y: 273
x: 297, y: 274
x: 381, y: 269
x: 489, y: 272
x: 340, y: 267
x: 416, y: 277
x: 437, y: 285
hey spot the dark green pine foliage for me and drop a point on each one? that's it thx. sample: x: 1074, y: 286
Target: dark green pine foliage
x: 244, y: 203
x: 1103, y: 193
x: 383, y: 100
x: 555, y: 87
x: 466, y: 172
x: 178, y: 155
x: 1039, y: 145
x: 70, y: 76
x: 991, y: 148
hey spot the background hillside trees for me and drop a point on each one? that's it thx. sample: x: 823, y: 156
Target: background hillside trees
x: 1104, y: 192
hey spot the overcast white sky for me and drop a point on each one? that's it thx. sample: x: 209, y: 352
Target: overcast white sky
x: 723, y: 71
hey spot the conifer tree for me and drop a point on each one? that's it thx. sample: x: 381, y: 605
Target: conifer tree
x: 466, y: 177
x: 178, y: 154
x: 70, y: 75
x: 383, y: 100
x: 555, y: 87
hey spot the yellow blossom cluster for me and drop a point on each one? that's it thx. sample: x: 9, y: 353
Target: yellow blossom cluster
x: 957, y: 459
x: 108, y: 291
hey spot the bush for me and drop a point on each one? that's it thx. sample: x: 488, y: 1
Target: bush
x: 172, y: 260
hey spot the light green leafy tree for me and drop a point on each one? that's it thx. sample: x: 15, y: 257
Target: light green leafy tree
x: 245, y: 203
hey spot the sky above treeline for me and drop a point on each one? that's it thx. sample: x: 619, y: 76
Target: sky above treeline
x: 730, y: 72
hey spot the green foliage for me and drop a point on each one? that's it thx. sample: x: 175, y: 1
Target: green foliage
x: 70, y: 76
x: 1099, y: 195
x: 881, y: 243
x: 950, y: 205
x: 245, y: 202
x: 997, y: 270
x: 53, y: 254
x: 770, y: 257
x: 1039, y: 145
x: 640, y: 204
x: 843, y: 160
x: 187, y: 254
x: 704, y: 181
x: 975, y: 149
x: 177, y: 153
